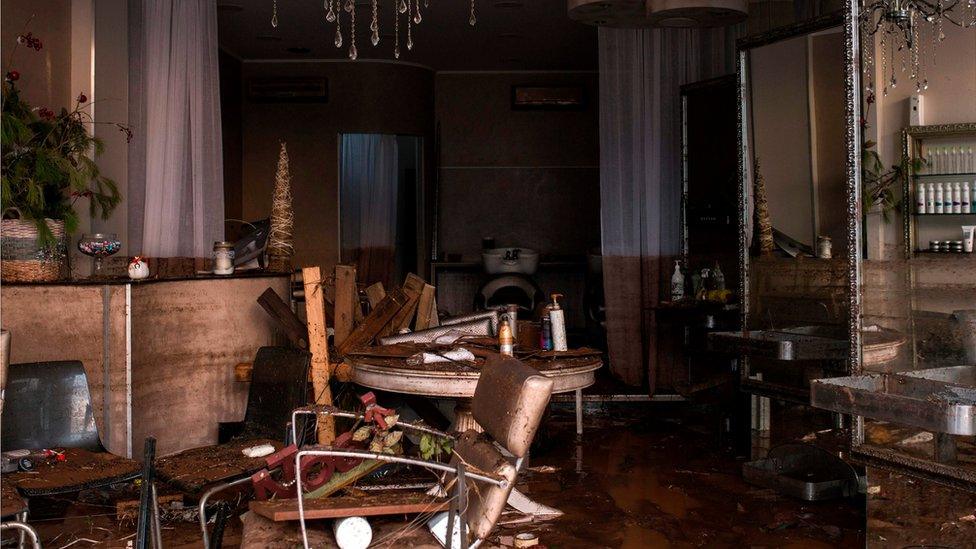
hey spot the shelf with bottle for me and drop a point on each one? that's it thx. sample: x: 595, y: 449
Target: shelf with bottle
x: 945, y: 198
x: 949, y: 159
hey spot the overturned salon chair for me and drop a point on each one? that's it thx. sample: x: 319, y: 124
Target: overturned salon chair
x: 508, y: 404
x: 279, y: 382
x: 48, y: 406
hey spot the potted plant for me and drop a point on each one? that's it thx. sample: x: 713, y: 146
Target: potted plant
x: 48, y: 163
x: 881, y: 186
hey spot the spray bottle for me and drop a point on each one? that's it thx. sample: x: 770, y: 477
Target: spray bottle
x: 558, y: 319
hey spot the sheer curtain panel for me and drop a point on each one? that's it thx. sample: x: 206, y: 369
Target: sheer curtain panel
x: 176, y: 198
x: 641, y: 74
x: 368, y: 205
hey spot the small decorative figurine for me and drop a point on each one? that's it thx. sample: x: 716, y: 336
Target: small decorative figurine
x: 138, y: 268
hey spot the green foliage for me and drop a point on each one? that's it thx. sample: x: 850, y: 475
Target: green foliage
x: 47, y: 164
x: 881, y: 187
x: 434, y: 447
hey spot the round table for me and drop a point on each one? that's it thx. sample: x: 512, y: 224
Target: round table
x: 458, y: 380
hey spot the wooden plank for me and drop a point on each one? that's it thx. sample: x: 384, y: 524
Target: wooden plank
x: 388, y: 503
x: 284, y: 318
x: 374, y: 322
x: 342, y: 372
x: 426, y: 313
x: 413, y: 286
x: 346, y: 299
x: 374, y: 294
x: 318, y: 342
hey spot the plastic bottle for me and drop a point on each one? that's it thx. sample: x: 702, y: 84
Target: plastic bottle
x: 956, y: 198
x: 506, y: 343
x: 718, y: 277
x: 545, y: 334
x: 967, y: 198
x: 677, y: 283
x: 930, y: 199
x: 920, y: 199
x: 939, y: 198
x: 558, y: 319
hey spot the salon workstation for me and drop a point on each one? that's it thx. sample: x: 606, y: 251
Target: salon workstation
x: 574, y: 273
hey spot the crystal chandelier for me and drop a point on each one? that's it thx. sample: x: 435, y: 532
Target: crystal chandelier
x: 910, y: 32
x: 409, y: 10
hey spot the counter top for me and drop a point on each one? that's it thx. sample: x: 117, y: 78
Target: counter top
x: 108, y: 281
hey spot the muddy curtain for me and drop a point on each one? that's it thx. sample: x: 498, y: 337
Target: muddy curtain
x: 368, y: 205
x: 641, y: 72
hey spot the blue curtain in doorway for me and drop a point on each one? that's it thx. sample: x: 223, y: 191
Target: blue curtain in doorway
x: 368, y: 205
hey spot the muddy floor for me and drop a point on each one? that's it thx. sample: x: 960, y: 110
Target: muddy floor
x: 641, y: 476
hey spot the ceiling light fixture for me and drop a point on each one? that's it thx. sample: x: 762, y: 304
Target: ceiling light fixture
x: 910, y: 31
x: 658, y: 13
x: 409, y: 10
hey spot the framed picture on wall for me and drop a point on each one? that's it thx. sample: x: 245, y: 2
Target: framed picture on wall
x: 559, y: 98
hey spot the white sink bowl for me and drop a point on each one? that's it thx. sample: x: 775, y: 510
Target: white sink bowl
x: 510, y: 260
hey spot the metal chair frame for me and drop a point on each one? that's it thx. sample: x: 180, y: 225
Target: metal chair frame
x: 316, y: 450
x: 26, y: 530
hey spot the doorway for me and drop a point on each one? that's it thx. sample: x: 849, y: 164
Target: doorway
x: 380, y: 205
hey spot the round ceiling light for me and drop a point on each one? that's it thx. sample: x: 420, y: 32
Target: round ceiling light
x: 658, y: 13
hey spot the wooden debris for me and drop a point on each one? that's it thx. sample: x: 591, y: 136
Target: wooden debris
x: 284, y: 318
x: 341, y: 371
x: 129, y: 509
x: 374, y: 294
x: 346, y: 301
x: 413, y: 286
x: 427, y: 309
x: 390, y: 503
x: 375, y: 321
x: 318, y: 340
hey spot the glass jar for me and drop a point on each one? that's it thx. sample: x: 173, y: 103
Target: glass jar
x: 223, y: 258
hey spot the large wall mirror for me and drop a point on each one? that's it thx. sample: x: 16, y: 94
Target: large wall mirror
x: 796, y: 150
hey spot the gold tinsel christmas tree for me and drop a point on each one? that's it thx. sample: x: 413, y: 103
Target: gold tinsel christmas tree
x: 764, y: 244
x: 280, y: 248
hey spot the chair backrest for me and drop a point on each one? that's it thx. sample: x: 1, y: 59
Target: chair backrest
x: 509, y: 402
x: 48, y: 405
x: 279, y: 384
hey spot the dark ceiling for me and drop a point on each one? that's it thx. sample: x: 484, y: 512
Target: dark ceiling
x: 509, y: 34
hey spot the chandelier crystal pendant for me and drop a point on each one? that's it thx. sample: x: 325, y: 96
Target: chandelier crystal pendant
x: 910, y: 31
x: 407, y: 9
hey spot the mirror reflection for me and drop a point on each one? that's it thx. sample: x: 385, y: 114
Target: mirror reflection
x: 796, y: 128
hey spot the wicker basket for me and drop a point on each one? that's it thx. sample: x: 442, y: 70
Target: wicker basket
x: 23, y: 259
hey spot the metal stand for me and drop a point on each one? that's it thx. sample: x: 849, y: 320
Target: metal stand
x: 26, y: 531
x: 147, y: 525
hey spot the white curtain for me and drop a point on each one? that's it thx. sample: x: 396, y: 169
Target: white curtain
x: 368, y: 194
x: 641, y: 73
x: 176, y: 197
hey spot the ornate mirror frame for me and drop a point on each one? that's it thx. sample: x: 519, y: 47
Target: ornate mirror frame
x: 847, y: 18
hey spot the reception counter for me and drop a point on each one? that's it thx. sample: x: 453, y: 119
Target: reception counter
x: 159, y: 353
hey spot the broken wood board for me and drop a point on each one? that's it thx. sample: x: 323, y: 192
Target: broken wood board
x: 286, y: 319
x: 346, y: 300
x: 413, y: 286
x: 427, y: 309
x: 369, y: 505
x: 374, y: 322
x: 341, y: 371
x: 374, y: 294
x: 318, y: 341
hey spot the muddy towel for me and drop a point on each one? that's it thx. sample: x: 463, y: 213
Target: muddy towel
x: 454, y: 355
